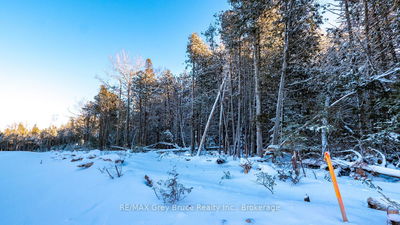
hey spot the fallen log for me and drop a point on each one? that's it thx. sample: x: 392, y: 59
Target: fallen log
x: 376, y: 204
x: 382, y: 170
x: 86, y: 165
x: 76, y: 159
x: 393, y: 216
x: 118, y: 148
x: 370, y: 168
x: 161, y: 146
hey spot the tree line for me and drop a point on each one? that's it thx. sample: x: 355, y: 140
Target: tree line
x: 263, y: 77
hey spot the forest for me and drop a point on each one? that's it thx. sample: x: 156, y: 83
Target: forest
x: 264, y: 78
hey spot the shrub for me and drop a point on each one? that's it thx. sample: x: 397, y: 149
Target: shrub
x: 266, y: 180
x: 246, y: 166
x: 371, y: 185
x: 171, y: 191
x: 226, y: 176
x: 112, y: 171
x: 327, y: 177
x: 285, y: 175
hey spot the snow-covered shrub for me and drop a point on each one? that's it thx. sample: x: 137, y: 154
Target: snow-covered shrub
x: 246, y: 166
x: 226, y: 176
x: 285, y: 175
x: 171, y: 191
x: 266, y: 180
x: 112, y: 171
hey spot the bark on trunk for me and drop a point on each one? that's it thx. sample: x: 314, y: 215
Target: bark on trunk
x: 279, y: 104
x: 259, y: 141
x: 348, y: 21
x: 128, y: 113
x: 324, y: 132
x: 192, y: 139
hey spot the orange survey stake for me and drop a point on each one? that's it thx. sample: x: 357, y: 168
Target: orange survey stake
x: 327, y: 158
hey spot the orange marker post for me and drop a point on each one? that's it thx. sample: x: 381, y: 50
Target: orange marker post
x: 327, y: 158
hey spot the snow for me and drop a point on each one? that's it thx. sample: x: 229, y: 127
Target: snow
x: 44, y: 188
x: 111, y: 157
x: 394, y: 217
x: 267, y: 169
x: 93, y: 153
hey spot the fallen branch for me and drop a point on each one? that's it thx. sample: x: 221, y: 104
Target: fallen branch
x: 383, y: 163
x: 119, y: 148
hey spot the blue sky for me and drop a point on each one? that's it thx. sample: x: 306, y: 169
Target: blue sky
x: 51, y: 51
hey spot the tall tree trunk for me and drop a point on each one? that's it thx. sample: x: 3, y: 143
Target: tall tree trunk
x: 231, y: 108
x: 203, y: 138
x: 324, y: 131
x: 348, y: 21
x: 192, y: 139
x: 220, y: 123
x: 117, y: 135
x: 128, y: 114
x: 361, y: 118
x: 145, y: 123
x: 140, y: 130
x: 279, y: 104
x: 101, y: 132
x: 259, y: 141
x: 181, y: 121
x: 226, y: 136
x: 239, y: 111
x: 389, y: 33
x: 367, y: 32
x: 379, y: 41
x: 252, y: 126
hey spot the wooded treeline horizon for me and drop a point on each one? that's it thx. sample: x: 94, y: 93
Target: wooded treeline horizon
x: 262, y: 77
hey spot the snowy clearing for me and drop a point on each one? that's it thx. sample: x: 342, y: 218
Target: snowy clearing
x: 47, y: 188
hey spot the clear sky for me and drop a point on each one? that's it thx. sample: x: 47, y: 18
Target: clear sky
x: 51, y: 51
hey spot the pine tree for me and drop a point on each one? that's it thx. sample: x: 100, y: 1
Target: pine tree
x: 35, y: 131
x: 106, y: 108
x: 198, y: 55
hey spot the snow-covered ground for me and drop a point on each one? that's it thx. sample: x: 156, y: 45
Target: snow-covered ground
x: 44, y: 188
